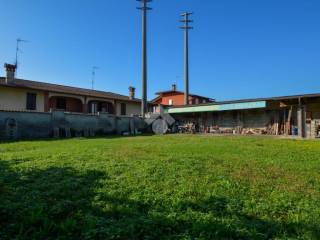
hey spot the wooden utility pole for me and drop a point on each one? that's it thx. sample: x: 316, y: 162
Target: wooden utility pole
x: 186, y: 28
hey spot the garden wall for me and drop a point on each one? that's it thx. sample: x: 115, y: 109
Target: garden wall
x: 29, y: 125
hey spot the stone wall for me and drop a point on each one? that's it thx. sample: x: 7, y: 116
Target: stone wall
x: 30, y: 125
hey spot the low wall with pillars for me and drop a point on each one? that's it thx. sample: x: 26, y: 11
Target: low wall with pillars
x: 32, y: 125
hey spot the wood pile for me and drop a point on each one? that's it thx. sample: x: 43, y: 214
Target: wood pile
x: 189, y: 127
x: 254, y: 131
x: 273, y: 129
x: 315, y: 129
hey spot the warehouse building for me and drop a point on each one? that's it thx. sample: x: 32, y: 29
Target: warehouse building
x: 289, y: 115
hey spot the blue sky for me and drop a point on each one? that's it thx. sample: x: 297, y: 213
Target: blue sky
x: 238, y: 49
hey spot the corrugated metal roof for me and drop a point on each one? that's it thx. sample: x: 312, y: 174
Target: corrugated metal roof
x: 218, y: 107
x: 292, y: 97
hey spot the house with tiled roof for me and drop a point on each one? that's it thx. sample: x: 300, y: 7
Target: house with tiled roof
x: 174, y: 97
x: 25, y: 95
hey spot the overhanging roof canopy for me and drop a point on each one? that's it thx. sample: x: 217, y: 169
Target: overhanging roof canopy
x: 218, y: 107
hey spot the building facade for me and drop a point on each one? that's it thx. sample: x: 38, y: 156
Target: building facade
x: 176, y: 98
x: 297, y: 115
x: 25, y: 95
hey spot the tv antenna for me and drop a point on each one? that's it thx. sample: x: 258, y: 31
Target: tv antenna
x: 94, y: 68
x: 18, y: 49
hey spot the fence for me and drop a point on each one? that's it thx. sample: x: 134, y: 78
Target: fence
x: 30, y: 125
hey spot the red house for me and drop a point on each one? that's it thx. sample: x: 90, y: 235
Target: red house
x: 176, y: 98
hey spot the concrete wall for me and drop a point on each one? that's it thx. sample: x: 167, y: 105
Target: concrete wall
x: 16, y: 99
x: 257, y: 118
x: 26, y: 125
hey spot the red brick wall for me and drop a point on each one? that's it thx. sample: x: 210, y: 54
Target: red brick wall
x: 72, y: 104
x: 52, y: 103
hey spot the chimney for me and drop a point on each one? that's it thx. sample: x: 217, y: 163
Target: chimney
x: 132, y: 91
x: 10, y: 72
x: 174, y: 87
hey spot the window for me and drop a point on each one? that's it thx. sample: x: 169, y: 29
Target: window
x: 61, y: 103
x: 123, y: 109
x: 31, y: 101
x: 170, y: 102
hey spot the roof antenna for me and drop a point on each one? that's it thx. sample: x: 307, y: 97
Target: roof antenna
x: 19, y: 40
x: 94, y: 68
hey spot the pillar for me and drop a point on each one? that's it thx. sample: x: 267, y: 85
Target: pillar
x: 301, y: 115
x: 85, y: 108
x: 46, y: 102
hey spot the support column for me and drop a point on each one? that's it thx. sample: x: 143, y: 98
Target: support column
x: 301, y: 115
x: 85, y: 106
x: 239, y: 122
x: 46, y: 102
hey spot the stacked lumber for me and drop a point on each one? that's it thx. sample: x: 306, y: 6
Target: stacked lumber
x: 189, y: 127
x: 273, y: 129
x: 254, y: 131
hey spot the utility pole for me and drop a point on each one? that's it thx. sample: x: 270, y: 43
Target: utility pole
x: 94, y: 68
x: 19, y: 40
x: 144, y: 8
x: 186, y: 28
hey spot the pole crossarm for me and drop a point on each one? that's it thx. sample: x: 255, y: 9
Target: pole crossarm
x: 144, y: 6
x: 186, y: 27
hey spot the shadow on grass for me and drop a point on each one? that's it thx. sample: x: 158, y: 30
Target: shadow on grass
x: 84, y: 138
x: 61, y: 203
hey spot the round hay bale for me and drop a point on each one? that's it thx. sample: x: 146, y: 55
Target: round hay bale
x: 160, y: 126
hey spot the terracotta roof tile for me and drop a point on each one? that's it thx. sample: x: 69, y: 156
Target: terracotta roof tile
x: 20, y: 83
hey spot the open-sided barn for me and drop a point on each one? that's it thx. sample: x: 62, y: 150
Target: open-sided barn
x: 297, y: 115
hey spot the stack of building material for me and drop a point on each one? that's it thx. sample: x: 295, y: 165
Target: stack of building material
x: 160, y: 126
x: 315, y: 129
x: 255, y: 131
x: 160, y: 123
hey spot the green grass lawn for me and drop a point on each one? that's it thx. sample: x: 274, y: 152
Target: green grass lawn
x: 160, y: 187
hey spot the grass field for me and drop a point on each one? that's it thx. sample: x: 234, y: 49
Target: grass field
x: 160, y: 187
